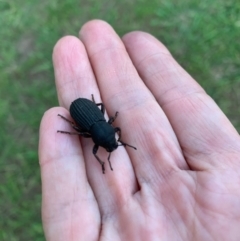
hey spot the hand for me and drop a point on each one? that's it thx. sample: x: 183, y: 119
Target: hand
x: 182, y: 182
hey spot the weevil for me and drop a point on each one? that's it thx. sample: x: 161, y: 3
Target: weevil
x: 91, y: 123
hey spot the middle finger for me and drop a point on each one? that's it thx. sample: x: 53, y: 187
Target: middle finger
x: 123, y: 90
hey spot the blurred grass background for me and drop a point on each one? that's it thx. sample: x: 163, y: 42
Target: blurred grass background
x: 202, y: 35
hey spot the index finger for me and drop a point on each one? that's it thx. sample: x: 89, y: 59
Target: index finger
x: 123, y: 90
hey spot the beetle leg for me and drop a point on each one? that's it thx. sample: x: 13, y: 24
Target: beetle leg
x: 102, y: 107
x: 77, y: 128
x: 95, y: 149
x: 112, y: 119
x: 67, y: 132
x: 93, y: 99
x: 71, y: 122
x: 101, y: 104
x: 118, y: 130
x: 109, y: 161
x: 86, y: 135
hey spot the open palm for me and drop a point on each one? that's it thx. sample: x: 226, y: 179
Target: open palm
x: 182, y: 183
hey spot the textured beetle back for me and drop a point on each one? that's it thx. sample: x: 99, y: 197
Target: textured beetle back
x: 85, y: 113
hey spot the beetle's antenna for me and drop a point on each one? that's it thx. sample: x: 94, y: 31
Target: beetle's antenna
x: 109, y: 161
x: 125, y: 144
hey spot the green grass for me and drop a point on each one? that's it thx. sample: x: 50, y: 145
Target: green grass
x: 202, y: 35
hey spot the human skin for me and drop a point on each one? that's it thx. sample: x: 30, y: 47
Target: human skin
x: 183, y: 181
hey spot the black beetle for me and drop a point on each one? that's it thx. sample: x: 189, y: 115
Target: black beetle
x: 90, y: 122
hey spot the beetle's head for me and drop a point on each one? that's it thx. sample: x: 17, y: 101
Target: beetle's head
x: 112, y: 147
